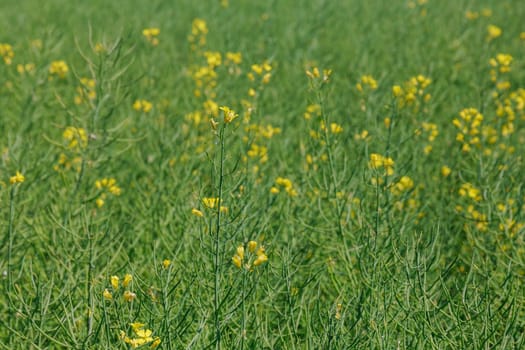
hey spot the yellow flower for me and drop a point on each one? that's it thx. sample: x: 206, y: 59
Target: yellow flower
x: 397, y: 90
x: 156, y: 342
x: 127, y: 280
x: 197, y: 212
x: 107, y: 294
x: 166, y: 263
x: 336, y: 128
x: 237, y: 261
x: 17, y: 178
x: 114, y: 282
x: 387, y: 122
x: 376, y: 161
x: 100, y: 202
x: 129, y: 296
x: 252, y: 245
x: 213, y: 124
x: 210, y: 203
x: 135, y: 326
x: 445, y: 171
x: 338, y: 309
x: 493, y: 32
x: 229, y: 114
x: 240, y: 251
x: 260, y: 260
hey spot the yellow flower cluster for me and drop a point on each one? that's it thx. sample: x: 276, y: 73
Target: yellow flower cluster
x: 6, y: 51
x: 263, y: 71
x: 86, y: 91
x: 362, y: 136
x: 262, y: 131
x: 229, y: 114
x: 377, y: 161
x: 469, y: 126
x: 480, y: 219
x: 25, y: 68
x: 512, y: 107
x: 199, y: 30
x: 286, y: 184
x: 412, y: 93
x: 142, y: 106
x: 76, y: 138
x: 367, y: 82
x: 404, y: 184
x: 64, y: 163
x: 259, y: 152
x: 501, y: 65
x: 315, y: 74
x: 493, y: 32
x: 151, y: 35
x: 58, y: 69
x: 233, y: 57
x: 106, y: 185
x: 114, y: 280
x: 334, y: 127
x: 205, y: 79
x: 233, y: 60
x: 312, y: 110
x: 468, y: 190
x: 209, y: 203
x: 432, y: 131
x: 18, y: 178
x: 213, y: 59
x: 141, y: 336
x: 255, y: 257
x: 472, y: 15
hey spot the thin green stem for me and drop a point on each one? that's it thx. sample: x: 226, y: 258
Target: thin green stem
x: 10, y: 238
x: 243, y: 327
x: 217, y: 244
x: 89, y: 291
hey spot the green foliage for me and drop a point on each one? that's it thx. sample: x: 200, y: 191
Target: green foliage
x: 262, y: 174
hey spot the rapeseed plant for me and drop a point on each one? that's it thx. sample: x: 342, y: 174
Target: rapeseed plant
x: 442, y: 226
